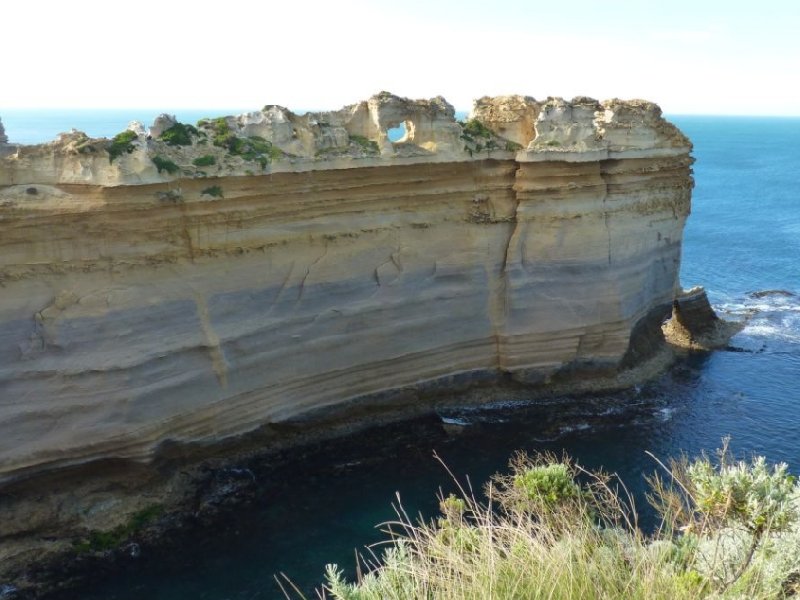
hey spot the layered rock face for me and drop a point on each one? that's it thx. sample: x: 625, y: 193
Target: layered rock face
x: 189, y: 284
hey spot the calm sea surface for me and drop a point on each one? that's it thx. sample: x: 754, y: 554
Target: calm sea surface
x: 743, y: 237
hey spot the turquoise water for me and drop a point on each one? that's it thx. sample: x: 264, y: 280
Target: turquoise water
x: 743, y: 237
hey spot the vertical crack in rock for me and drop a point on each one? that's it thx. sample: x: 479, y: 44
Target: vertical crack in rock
x: 302, y: 286
x: 218, y: 362
x: 498, y: 300
x: 606, y: 215
x: 284, y: 286
x: 384, y: 275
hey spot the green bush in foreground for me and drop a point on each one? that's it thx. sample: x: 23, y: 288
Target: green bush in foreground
x: 552, y: 530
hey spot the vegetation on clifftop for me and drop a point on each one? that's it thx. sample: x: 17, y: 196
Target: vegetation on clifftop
x: 165, y: 164
x: 366, y: 145
x: 120, y: 144
x: 252, y: 148
x: 204, y: 161
x: 179, y: 134
x: 477, y: 136
x: 552, y: 530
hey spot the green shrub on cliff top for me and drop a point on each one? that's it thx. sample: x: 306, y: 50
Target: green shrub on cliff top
x: 473, y: 128
x: 179, y: 135
x: 253, y: 148
x: 120, y: 144
x: 477, y: 137
x: 368, y: 146
x: 204, y: 161
x: 165, y: 164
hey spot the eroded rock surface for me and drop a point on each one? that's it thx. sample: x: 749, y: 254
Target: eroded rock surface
x: 191, y: 285
x: 695, y: 326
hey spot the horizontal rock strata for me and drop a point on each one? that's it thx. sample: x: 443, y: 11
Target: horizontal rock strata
x: 289, y: 264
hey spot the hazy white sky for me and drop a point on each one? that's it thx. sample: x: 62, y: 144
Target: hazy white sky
x: 690, y: 56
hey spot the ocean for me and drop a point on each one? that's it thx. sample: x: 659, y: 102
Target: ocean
x: 742, y: 242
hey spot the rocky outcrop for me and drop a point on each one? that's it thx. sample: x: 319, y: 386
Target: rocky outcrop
x: 695, y: 326
x: 188, y: 286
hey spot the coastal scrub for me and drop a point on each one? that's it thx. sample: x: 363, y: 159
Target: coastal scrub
x: 120, y: 144
x: 553, y: 530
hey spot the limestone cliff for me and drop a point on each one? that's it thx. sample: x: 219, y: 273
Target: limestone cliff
x: 188, y: 284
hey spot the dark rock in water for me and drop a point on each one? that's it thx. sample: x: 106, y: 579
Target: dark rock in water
x: 31, y: 191
x: 222, y: 489
x: 765, y: 293
x: 694, y: 311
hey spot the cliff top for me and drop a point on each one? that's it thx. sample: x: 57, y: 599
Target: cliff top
x: 276, y: 139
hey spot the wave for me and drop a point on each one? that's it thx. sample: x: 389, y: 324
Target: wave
x: 770, y: 314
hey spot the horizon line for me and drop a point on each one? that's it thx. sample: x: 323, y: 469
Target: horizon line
x: 307, y: 110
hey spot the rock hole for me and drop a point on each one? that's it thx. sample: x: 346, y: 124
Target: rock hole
x: 397, y: 134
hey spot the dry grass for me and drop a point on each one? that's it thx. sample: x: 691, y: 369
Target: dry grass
x: 729, y: 530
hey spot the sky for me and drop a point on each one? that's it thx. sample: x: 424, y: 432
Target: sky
x: 691, y: 57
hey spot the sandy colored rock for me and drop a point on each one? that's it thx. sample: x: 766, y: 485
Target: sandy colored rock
x: 321, y: 264
x: 510, y: 117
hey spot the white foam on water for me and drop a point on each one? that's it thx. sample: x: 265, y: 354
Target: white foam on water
x: 665, y: 414
x: 455, y: 421
x: 773, y: 317
x: 576, y: 427
x: 785, y: 329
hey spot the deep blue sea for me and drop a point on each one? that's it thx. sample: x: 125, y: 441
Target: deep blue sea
x: 743, y: 237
